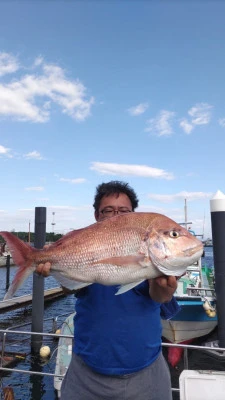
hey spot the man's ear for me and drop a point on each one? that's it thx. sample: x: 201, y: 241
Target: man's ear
x: 96, y: 215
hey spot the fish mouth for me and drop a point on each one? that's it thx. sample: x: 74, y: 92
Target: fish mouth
x: 193, y: 250
x: 173, y: 268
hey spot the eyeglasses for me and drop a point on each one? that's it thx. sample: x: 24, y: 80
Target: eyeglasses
x: 110, y: 211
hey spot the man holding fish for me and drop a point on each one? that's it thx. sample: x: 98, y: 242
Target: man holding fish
x: 117, y: 350
x: 117, y: 347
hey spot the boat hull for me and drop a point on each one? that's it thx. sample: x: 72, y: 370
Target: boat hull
x: 190, y: 322
x: 180, y: 331
x: 64, y: 353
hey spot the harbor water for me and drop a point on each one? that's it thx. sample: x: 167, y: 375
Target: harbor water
x: 27, y: 387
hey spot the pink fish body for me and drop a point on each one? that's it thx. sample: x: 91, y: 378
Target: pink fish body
x: 122, y: 250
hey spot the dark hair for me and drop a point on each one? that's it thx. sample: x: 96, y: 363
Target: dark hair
x: 114, y: 187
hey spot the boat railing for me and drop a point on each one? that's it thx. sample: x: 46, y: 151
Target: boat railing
x: 9, y: 331
x: 53, y: 319
x: 201, y: 291
x: 12, y: 330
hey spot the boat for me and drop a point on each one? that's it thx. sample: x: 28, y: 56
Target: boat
x: 196, y: 297
x: 197, y: 317
x: 3, y: 260
x: 64, y: 352
x: 208, y: 243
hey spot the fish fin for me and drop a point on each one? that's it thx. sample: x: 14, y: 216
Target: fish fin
x: 136, y: 261
x: 68, y: 283
x: 17, y: 282
x: 128, y: 286
x: 22, y: 257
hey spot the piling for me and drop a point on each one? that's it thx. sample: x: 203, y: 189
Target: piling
x: 38, y: 281
x: 7, y: 272
x: 217, y: 208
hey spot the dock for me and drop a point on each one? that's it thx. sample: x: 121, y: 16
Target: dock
x: 23, y: 301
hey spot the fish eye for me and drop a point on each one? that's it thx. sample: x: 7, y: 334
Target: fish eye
x: 174, y: 234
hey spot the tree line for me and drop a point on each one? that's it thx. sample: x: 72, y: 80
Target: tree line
x: 50, y: 236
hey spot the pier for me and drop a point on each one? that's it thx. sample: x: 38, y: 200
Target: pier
x: 23, y: 301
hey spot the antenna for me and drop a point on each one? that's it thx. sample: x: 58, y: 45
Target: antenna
x: 53, y: 222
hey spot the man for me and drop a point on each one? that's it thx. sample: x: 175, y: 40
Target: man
x: 117, y: 347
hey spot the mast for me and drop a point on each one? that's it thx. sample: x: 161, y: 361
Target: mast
x: 185, y: 213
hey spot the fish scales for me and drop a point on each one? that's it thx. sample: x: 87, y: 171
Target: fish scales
x: 119, y: 250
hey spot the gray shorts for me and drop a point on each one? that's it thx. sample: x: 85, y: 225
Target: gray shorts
x: 151, y: 383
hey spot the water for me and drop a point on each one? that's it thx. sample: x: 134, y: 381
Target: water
x: 208, y: 258
x: 28, y: 387
x: 25, y: 386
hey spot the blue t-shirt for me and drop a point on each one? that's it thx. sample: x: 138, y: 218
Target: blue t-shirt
x: 117, y: 335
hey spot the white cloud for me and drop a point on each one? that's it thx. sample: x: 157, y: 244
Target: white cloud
x: 44, y: 199
x: 168, y: 198
x: 73, y: 181
x: 35, y: 188
x: 30, y: 97
x: 186, y: 126
x: 35, y: 155
x: 161, y: 125
x: 134, y: 170
x: 200, y: 113
x: 138, y: 110
x: 38, y: 61
x: 66, y: 218
x: 4, y: 150
x: 222, y: 122
x: 8, y: 64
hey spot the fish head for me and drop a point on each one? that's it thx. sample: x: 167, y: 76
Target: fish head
x: 171, y: 247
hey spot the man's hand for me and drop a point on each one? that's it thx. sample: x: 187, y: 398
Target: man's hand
x: 44, y: 269
x: 161, y: 289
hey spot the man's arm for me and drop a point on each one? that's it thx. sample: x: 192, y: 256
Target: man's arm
x: 161, y: 289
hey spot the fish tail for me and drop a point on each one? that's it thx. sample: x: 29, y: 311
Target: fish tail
x: 22, y: 257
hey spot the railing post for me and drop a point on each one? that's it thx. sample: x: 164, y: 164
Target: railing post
x: 185, y: 358
x: 38, y: 281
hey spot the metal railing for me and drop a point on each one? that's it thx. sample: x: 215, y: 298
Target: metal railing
x: 9, y: 331
x: 202, y: 291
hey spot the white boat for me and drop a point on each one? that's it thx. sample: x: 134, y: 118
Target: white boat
x: 197, y: 317
x: 3, y: 260
x: 64, y: 353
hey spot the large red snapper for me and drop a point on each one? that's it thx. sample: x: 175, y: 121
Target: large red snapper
x: 122, y: 250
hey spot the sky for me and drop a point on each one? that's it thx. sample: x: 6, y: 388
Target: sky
x: 93, y: 91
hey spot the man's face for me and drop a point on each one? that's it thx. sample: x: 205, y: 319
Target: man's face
x: 113, y: 205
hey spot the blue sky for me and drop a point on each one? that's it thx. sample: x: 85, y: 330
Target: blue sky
x: 98, y: 90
